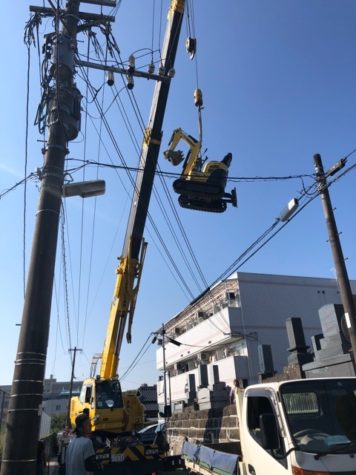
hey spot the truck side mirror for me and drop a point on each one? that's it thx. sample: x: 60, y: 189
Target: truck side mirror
x: 269, y: 432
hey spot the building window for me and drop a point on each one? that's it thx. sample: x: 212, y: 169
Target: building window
x: 58, y: 407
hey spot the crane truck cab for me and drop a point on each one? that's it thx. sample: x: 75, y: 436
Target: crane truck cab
x: 298, y: 427
x: 109, y: 409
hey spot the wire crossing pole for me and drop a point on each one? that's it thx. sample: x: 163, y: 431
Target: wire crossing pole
x: 74, y: 350
x: 163, y: 332
x: 339, y: 261
x: 24, y: 414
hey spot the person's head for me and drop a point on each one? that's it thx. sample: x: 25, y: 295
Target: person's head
x: 236, y: 383
x: 82, y: 425
x: 86, y: 411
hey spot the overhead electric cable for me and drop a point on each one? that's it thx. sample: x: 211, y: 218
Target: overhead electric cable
x: 65, y: 282
x: 122, y: 159
x: 137, y: 358
x: 234, y: 179
x: 16, y: 185
x: 260, y: 243
x: 93, y: 227
x: 25, y: 169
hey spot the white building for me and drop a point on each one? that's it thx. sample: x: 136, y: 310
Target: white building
x: 225, y: 327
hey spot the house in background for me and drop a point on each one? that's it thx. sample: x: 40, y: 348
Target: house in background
x: 223, y: 335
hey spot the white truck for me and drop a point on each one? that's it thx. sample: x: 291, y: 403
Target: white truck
x: 298, y: 427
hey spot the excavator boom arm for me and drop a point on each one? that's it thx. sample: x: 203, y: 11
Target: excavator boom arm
x: 193, y: 160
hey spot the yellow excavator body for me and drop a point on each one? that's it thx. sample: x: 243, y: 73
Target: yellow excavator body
x: 201, y: 186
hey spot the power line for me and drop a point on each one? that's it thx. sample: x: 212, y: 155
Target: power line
x: 65, y: 282
x: 137, y: 358
x: 122, y: 159
x: 93, y: 227
x: 83, y: 201
x: 13, y: 187
x: 141, y: 123
x: 238, y: 263
x: 173, y: 208
x: 159, y: 172
x: 70, y: 261
x: 25, y: 167
x: 155, y: 191
x: 140, y: 120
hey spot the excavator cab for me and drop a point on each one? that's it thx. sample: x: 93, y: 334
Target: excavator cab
x: 201, y: 185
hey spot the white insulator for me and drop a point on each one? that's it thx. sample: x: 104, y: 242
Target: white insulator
x: 132, y: 62
x: 110, y: 78
x: 130, y: 82
x: 151, y: 68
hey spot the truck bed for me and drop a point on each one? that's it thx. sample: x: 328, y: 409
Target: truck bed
x: 207, y: 460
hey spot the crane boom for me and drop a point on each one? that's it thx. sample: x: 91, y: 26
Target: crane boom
x: 131, y: 262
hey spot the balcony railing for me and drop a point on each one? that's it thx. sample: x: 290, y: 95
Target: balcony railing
x: 206, y: 336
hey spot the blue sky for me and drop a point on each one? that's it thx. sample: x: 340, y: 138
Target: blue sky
x: 278, y: 79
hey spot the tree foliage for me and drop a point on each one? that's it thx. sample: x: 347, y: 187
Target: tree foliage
x: 58, y: 422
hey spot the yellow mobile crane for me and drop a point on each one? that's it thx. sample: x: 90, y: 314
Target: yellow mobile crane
x: 101, y: 395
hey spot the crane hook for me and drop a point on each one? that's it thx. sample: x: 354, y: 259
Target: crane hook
x: 191, y: 46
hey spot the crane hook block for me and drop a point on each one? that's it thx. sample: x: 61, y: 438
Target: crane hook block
x: 198, y: 98
x: 191, y: 46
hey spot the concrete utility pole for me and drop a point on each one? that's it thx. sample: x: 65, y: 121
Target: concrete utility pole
x: 24, y: 413
x: 335, y: 244
x: 2, y: 407
x: 74, y: 350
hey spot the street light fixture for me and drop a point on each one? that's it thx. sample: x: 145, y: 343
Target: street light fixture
x: 85, y: 189
x: 289, y: 210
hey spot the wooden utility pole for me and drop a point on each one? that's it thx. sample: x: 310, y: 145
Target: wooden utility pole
x: 335, y: 244
x: 24, y: 413
x: 74, y: 350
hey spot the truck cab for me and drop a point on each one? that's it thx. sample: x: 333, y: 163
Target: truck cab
x: 299, y: 427
x: 110, y: 410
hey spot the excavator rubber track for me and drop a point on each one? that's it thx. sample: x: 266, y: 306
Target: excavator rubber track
x: 217, y: 206
x: 198, y: 189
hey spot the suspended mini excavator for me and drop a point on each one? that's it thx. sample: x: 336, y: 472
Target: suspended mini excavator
x: 201, y: 185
